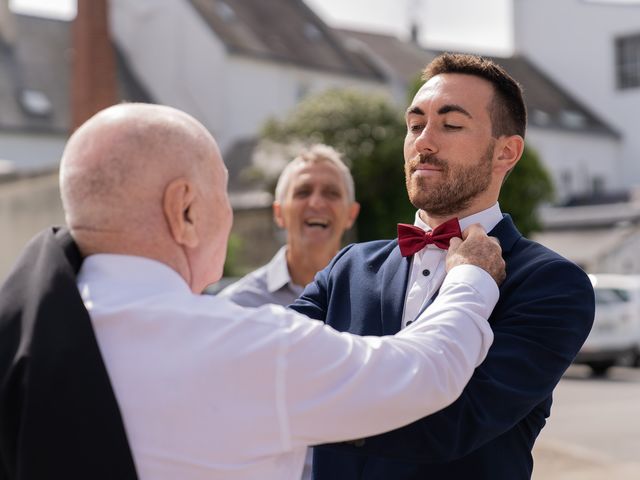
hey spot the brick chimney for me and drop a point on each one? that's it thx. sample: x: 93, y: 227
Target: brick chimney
x: 94, y: 76
x: 7, y: 24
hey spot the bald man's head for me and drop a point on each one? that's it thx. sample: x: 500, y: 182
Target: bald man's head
x: 134, y: 177
x: 116, y: 165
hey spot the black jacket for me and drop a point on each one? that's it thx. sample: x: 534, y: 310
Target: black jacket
x: 59, y: 417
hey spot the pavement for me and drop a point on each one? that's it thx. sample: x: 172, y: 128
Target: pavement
x: 554, y: 460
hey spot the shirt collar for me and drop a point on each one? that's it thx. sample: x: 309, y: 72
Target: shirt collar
x: 278, y: 272
x: 123, y: 277
x: 488, y: 218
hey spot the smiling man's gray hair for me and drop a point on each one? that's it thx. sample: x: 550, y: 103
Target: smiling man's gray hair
x: 314, y: 154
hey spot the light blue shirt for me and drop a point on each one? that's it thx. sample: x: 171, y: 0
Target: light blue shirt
x: 270, y: 283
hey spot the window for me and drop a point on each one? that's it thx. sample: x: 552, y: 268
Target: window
x: 572, y: 119
x: 597, y: 185
x: 606, y: 296
x: 628, y: 61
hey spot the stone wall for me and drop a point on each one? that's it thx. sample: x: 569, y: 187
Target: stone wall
x: 255, y: 238
x: 27, y: 205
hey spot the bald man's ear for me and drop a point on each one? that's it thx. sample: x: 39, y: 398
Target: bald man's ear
x: 507, y: 153
x: 178, y: 202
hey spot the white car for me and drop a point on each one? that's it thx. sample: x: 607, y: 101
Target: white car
x: 615, y: 336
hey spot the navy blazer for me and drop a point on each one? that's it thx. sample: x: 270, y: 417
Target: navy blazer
x: 543, y: 317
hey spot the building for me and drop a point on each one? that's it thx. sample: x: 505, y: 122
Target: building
x: 37, y: 108
x: 591, y: 48
x: 602, y: 238
x: 233, y: 64
x: 579, y: 149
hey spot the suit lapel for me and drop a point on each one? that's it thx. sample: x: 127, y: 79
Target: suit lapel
x: 393, y: 288
x: 506, y: 232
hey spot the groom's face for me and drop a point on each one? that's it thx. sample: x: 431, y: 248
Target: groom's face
x: 449, y: 146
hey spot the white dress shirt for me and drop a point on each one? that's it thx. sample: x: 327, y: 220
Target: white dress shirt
x: 270, y: 283
x: 428, y: 265
x: 210, y: 390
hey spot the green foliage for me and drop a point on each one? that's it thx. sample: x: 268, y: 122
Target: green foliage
x: 526, y: 187
x: 231, y: 263
x: 415, y: 85
x: 369, y: 131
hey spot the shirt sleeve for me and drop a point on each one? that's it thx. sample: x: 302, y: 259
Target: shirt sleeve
x: 339, y: 386
x: 539, y: 332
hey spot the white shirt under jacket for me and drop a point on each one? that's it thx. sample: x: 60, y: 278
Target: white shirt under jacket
x: 211, y: 390
x: 428, y: 265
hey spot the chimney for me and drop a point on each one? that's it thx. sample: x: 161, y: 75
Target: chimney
x: 415, y: 33
x: 94, y: 76
x: 414, y: 13
x: 7, y: 24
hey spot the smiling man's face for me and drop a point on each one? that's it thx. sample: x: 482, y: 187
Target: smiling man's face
x: 316, y: 209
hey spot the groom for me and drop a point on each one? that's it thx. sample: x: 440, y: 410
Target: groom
x: 465, y: 132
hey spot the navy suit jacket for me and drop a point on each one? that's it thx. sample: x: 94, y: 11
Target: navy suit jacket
x: 544, y: 315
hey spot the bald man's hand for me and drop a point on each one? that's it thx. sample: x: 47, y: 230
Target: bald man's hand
x: 477, y: 248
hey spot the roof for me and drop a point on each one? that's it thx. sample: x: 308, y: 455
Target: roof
x: 282, y: 30
x: 590, y: 216
x: 586, y: 247
x: 405, y: 59
x: 549, y: 105
x: 41, y: 62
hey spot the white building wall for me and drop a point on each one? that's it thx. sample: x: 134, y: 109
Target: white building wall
x: 623, y: 259
x: 174, y: 55
x: 24, y: 151
x: 573, y: 41
x: 574, y: 160
x: 258, y: 90
x: 178, y: 58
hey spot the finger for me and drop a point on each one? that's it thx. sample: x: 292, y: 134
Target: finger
x: 454, y: 243
x: 473, y: 231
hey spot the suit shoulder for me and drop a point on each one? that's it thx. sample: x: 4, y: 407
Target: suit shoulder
x: 368, y: 252
x: 529, y: 255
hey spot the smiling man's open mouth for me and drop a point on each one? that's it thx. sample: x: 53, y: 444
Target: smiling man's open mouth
x: 317, y: 222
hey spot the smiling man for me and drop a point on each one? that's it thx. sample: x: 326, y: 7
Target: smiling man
x: 315, y: 204
x: 465, y: 132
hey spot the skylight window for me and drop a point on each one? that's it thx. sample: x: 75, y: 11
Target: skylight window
x: 225, y: 12
x: 35, y: 103
x: 572, y: 119
x: 540, y: 117
x: 312, y: 32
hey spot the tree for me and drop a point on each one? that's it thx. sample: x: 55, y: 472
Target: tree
x: 369, y: 131
x: 526, y: 187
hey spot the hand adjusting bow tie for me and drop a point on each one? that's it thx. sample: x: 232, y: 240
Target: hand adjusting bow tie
x: 413, y: 239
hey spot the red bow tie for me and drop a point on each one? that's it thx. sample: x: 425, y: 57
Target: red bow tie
x: 413, y: 239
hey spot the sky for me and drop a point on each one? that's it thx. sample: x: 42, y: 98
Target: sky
x: 482, y: 26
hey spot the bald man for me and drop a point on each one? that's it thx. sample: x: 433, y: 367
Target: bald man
x: 113, y: 366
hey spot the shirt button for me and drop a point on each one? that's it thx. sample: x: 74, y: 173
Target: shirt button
x: 426, y: 272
